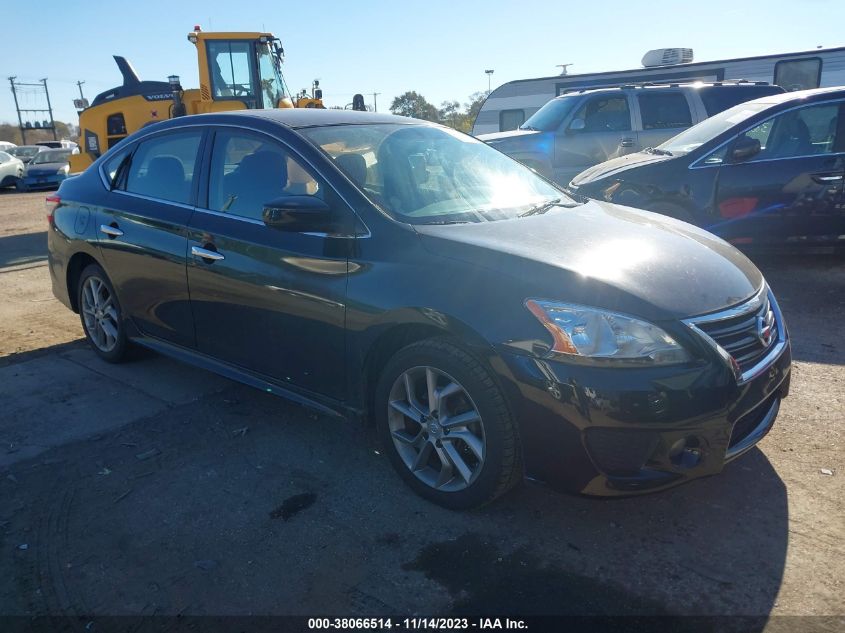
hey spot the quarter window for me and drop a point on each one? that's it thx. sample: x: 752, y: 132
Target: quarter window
x: 163, y: 167
x: 511, y: 119
x: 248, y: 171
x: 608, y: 114
x: 664, y: 110
x: 114, y: 168
x: 799, y: 74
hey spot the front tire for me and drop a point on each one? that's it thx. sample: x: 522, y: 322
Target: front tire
x: 99, y: 311
x: 446, y: 426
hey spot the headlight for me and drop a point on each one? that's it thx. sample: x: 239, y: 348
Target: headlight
x: 590, y: 334
x: 64, y: 169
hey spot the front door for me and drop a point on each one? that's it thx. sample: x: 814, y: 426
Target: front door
x: 142, y: 231
x: 267, y: 300
x: 793, y: 187
x: 597, y: 131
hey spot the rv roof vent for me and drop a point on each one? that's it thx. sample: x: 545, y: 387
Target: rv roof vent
x: 667, y: 57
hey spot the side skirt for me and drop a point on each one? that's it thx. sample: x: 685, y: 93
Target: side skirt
x: 233, y: 372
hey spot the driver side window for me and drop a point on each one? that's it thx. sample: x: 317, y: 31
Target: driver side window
x: 248, y: 171
x: 808, y: 131
x: 605, y: 114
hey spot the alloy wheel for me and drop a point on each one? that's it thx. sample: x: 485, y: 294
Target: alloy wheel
x: 100, y: 314
x: 436, y: 428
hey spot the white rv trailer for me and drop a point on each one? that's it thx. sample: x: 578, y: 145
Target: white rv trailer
x: 508, y: 106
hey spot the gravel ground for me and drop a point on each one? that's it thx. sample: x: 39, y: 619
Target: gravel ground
x: 154, y: 488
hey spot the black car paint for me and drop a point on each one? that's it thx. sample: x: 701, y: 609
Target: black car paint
x: 345, y: 302
x: 792, y: 200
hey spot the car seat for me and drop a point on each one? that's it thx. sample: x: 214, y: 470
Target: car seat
x: 166, y: 179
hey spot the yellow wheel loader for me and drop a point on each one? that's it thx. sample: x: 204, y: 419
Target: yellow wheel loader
x: 236, y: 70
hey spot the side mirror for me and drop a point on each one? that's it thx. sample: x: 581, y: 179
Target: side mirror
x: 299, y: 214
x: 576, y: 126
x: 744, y: 148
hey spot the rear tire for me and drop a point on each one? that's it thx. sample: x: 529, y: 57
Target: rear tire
x: 101, y: 316
x: 457, y: 447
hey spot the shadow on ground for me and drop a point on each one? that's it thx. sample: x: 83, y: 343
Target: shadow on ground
x: 28, y: 248
x: 240, y: 503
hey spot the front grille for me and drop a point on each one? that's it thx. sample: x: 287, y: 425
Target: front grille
x: 746, y: 335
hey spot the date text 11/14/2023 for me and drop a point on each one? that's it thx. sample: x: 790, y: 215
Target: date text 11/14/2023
x: 415, y: 624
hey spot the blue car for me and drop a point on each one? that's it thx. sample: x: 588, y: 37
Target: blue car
x: 47, y: 169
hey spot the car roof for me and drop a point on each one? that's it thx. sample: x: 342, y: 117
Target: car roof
x: 690, y: 85
x: 816, y: 94
x: 309, y: 117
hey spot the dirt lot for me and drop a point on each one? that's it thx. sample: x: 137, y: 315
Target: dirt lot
x: 154, y: 488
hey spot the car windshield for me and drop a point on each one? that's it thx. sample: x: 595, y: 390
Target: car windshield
x: 550, y: 116
x: 51, y: 156
x: 23, y: 152
x: 696, y: 136
x: 424, y: 174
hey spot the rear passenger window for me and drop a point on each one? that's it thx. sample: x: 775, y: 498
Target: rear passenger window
x: 605, y: 114
x: 247, y: 171
x: 163, y: 167
x: 664, y: 110
x: 717, y: 99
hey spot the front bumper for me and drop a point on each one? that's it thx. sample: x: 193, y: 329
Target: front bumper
x: 610, y: 432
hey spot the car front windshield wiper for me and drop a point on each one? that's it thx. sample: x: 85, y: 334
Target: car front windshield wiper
x: 528, y: 127
x: 442, y: 222
x: 658, y: 151
x: 539, y: 209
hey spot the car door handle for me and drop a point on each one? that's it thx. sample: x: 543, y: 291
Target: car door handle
x: 823, y: 178
x: 204, y: 253
x: 111, y: 231
x: 626, y: 142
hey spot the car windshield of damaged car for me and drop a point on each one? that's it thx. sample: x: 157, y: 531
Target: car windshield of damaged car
x: 429, y: 175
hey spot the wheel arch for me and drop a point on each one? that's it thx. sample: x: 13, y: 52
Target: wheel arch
x: 401, y: 328
x: 77, y: 263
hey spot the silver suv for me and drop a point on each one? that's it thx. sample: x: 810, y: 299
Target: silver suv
x: 582, y: 128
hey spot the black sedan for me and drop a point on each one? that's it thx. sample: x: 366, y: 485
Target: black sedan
x: 765, y: 172
x: 392, y: 270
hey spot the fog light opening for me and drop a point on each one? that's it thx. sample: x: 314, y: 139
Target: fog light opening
x: 685, y: 453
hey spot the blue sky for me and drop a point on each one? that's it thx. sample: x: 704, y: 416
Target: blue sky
x: 440, y: 49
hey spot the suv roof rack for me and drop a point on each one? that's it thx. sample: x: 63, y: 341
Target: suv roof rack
x: 667, y: 84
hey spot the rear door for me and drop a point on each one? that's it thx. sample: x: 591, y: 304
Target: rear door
x: 598, y: 130
x: 267, y: 300
x: 662, y: 114
x: 791, y: 189
x: 142, y: 231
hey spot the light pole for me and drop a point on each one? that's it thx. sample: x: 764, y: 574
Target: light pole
x: 489, y: 76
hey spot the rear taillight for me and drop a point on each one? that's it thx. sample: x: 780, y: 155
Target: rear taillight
x: 51, y: 203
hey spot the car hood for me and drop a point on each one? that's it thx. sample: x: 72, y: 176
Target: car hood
x: 615, y: 166
x: 607, y: 256
x: 516, y: 139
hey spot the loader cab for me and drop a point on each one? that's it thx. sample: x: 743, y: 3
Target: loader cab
x: 240, y: 70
